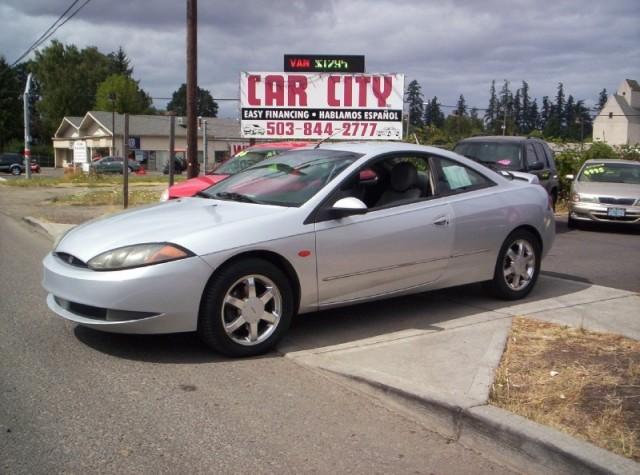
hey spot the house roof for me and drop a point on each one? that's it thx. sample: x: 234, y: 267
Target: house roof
x: 158, y: 125
x: 68, y: 121
x: 630, y: 113
x: 633, y: 84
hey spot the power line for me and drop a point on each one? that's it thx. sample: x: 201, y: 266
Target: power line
x: 52, y: 29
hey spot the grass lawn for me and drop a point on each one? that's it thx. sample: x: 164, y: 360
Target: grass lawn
x: 581, y: 382
x: 108, y: 198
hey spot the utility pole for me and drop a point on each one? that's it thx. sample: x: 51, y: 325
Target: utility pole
x: 27, y: 131
x: 125, y: 163
x: 112, y: 98
x: 205, y: 143
x: 192, y: 85
x: 172, y: 146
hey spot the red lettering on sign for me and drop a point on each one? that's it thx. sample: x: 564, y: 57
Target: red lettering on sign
x: 362, y: 82
x: 297, y: 91
x: 252, y: 81
x: 274, y: 90
x: 382, y: 94
x: 332, y: 100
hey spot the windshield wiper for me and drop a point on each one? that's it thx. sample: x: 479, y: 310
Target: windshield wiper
x: 228, y: 195
x: 204, y: 194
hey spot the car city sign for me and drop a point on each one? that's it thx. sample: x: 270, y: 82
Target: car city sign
x: 316, y: 106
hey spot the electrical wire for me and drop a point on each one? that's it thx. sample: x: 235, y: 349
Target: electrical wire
x: 52, y: 29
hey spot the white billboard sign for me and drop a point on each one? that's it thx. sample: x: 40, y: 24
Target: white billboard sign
x: 79, y: 151
x: 320, y: 105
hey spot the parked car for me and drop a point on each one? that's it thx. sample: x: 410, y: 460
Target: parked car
x: 244, y: 159
x: 605, y: 191
x: 12, y: 163
x: 114, y: 165
x: 304, y: 231
x: 521, y: 154
x: 179, y: 165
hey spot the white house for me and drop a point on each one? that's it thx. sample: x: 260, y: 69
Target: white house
x: 148, y: 137
x: 618, y: 123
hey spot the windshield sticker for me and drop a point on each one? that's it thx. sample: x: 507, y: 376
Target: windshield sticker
x: 594, y: 169
x: 456, y: 176
x: 504, y: 162
x: 241, y: 154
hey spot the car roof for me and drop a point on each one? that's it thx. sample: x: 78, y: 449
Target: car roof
x: 278, y: 145
x: 612, y: 160
x: 499, y: 138
x: 377, y: 147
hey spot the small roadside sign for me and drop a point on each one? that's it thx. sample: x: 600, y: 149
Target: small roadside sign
x: 79, y: 151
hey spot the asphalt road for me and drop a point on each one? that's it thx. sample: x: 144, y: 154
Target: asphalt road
x: 598, y: 254
x: 74, y: 400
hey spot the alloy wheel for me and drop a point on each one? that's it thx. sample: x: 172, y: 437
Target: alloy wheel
x: 519, y: 265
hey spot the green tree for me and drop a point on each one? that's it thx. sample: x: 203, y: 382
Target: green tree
x: 545, y: 113
x: 602, y: 99
x: 461, y: 107
x: 433, y: 116
x: 206, y: 106
x: 415, y: 99
x: 10, y: 104
x: 122, y: 94
x: 68, y: 79
x: 119, y: 63
x: 491, y: 114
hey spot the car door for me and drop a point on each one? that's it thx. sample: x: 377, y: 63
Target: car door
x: 534, y: 162
x: 388, y: 249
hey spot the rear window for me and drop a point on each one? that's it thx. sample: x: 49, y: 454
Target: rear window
x: 498, y: 156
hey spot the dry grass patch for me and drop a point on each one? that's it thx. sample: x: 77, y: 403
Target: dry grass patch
x: 108, y: 198
x: 584, y: 383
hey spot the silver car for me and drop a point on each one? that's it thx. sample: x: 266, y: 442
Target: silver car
x: 315, y: 228
x: 606, y: 191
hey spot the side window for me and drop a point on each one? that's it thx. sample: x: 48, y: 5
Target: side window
x: 531, y: 156
x: 541, y: 154
x: 456, y: 178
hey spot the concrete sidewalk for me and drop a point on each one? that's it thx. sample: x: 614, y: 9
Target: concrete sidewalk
x: 435, y: 354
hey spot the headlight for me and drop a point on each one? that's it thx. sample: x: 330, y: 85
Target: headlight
x: 583, y: 198
x: 164, y: 196
x: 137, y: 256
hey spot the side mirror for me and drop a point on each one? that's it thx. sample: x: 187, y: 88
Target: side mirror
x: 347, y: 207
x: 536, y: 166
x: 570, y: 177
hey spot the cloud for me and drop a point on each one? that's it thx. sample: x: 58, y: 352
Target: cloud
x: 451, y: 47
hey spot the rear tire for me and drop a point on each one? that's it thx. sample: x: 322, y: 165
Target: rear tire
x: 517, y: 267
x: 15, y: 171
x: 246, y: 308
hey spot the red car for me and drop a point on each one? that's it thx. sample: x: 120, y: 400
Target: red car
x: 244, y: 159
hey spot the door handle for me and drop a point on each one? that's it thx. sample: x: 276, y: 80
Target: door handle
x: 441, y: 221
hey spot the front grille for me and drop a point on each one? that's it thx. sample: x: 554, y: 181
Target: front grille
x: 616, y: 201
x: 69, y: 259
x: 99, y: 313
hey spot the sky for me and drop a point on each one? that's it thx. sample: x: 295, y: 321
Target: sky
x: 450, y: 47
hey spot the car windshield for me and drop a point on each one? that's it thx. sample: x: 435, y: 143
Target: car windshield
x: 243, y: 160
x: 611, y: 173
x: 286, y: 180
x: 499, y: 156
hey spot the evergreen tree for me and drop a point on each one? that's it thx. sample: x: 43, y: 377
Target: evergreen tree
x: 560, y: 105
x: 119, y: 63
x: 527, y: 123
x: 415, y: 99
x: 491, y: 113
x: 10, y: 104
x: 206, y: 106
x: 602, y: 99
x: 505, y: 110
x: 545, y: 113
x: 517, y: 113
x: 533, y: 117
x: 461, y: 107
x: 433, y: 115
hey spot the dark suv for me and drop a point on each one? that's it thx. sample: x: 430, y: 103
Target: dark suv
x: 521, y: 154
x: 12, y: 163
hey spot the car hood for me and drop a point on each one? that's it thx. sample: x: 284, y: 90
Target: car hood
x: 616, y: 190
x: 201, y: 225
x: 194, y: 185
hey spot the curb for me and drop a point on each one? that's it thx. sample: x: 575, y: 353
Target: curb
x: 507, y: 438
x: 52, y: 230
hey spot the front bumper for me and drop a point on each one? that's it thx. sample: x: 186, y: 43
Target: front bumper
x: 597, y: 212
x: 162, y: 298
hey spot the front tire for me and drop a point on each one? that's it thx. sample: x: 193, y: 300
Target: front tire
x: 517, y: 267
x: 15, y: 171
x: 246, y: 308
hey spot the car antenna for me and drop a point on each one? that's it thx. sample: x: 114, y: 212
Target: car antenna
x: 327, y: 138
